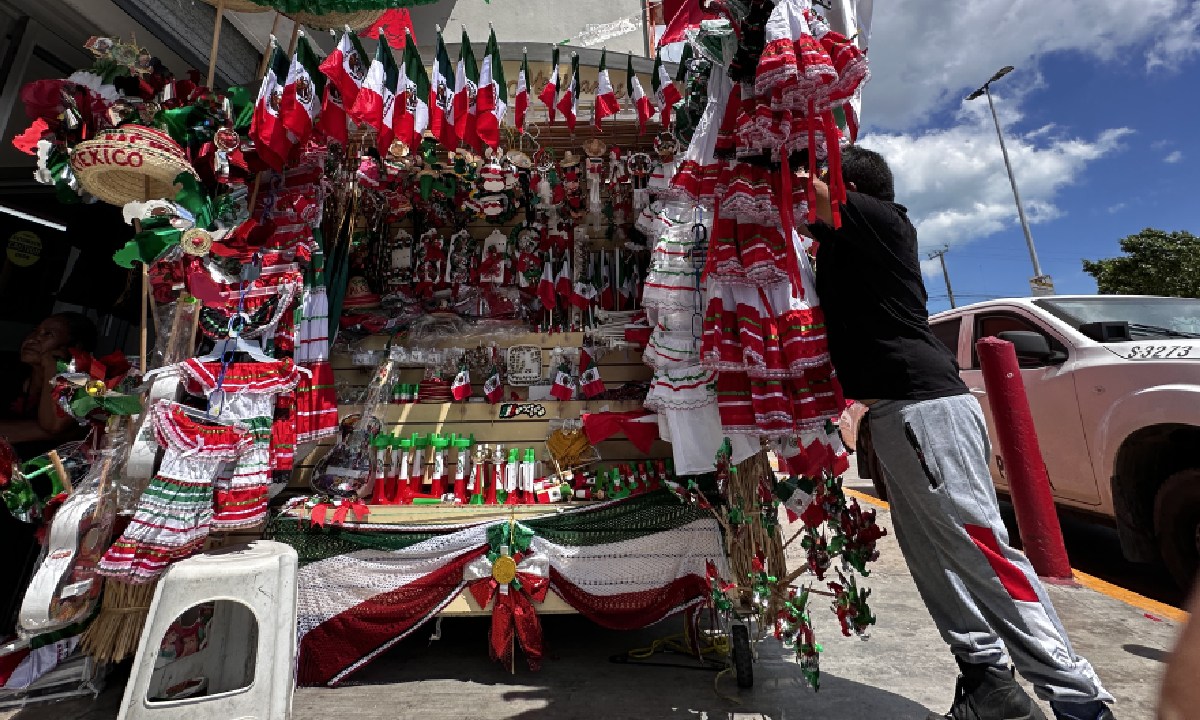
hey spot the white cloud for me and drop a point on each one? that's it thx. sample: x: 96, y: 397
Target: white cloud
x: 1114, y: 209
x: 926, y: 54
x: 1174, y: 157
x: 954, y: 183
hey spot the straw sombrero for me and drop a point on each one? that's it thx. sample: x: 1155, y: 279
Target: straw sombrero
x: 336, y: 20
x: 131, y: 163
x: 247, y: 6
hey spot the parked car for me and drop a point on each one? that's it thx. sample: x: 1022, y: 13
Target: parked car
x: 1113, y: 383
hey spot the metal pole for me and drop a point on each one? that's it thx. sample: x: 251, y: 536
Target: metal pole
x: 941, y: 255
x: 1037, y: 266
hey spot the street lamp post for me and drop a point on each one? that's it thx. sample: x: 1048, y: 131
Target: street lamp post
x: 1040, y: 284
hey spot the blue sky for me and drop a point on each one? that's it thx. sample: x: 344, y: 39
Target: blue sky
x: 1100, y: 119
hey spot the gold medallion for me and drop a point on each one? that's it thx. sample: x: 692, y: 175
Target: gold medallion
x: 196, y: 242
x: 95, y: 388
x: 504, y: 570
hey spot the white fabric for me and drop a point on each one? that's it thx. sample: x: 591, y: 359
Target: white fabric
x: 696, y: 436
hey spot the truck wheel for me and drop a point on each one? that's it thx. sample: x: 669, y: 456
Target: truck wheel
x: 1177, y: 525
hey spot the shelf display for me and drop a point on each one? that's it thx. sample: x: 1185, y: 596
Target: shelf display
x: 464, y: 370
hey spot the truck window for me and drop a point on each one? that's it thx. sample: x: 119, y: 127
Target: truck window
x: 992, y: 324
x: 947, y: 331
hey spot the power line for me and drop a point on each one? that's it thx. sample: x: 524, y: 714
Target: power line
x: 941, y: 256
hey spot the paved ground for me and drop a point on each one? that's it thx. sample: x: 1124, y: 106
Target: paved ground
x: 901, y: 673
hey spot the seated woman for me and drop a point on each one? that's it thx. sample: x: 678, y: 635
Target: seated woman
x: 29, y: 419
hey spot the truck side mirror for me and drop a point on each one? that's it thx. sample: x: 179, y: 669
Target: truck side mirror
x: 1032, y: 347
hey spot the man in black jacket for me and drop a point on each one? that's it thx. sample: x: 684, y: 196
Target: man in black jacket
x: 931, y: 439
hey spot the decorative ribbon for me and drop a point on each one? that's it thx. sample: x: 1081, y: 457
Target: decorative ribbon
x: 345, y: 507
x: 513, y: 615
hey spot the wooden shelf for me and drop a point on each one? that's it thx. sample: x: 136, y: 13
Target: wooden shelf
x: 421, y: 413
x: 546, y: 341
x: 435, y: 515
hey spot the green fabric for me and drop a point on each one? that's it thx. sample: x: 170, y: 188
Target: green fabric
x: 316, y: 544
x: 83, y: 404
x: 242, y: 99
x: 156, y: 237
x: 636, y: 517
x: 324, y: 7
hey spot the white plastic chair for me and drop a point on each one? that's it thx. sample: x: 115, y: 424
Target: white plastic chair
x: 240, y: 666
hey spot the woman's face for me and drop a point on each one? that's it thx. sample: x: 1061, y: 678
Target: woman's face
x: 51, y: 337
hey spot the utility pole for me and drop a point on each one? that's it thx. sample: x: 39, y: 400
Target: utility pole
x: 941, y: 255
x: 1040, y: 284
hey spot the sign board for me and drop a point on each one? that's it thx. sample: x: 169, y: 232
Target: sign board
x: 1041, y: 286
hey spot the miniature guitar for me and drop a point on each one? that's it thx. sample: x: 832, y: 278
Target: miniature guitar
x: 66, y: 587
x: 345, y: 470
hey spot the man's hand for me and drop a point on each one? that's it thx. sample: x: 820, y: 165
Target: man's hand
x: 824, y: 206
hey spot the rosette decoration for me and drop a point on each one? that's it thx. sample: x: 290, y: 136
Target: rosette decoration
x: 86, y: 387
x: 193, y: 222
x: 515, y: 577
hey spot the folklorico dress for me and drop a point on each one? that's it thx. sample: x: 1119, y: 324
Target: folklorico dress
x: 174, y: 513
x: 763, y: 330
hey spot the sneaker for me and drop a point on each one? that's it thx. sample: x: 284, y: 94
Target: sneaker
x: 1095, y: 710
x: 989, y: 693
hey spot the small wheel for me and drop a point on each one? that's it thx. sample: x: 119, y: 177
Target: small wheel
x: 1177, y: 525
x: 743, y: 657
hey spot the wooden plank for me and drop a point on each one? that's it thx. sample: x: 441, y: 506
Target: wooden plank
x: 434, y: 515
x: 467, y: 412
x: 466, y: 340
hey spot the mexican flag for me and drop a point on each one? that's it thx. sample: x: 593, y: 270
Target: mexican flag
x: 266, y: 129
x: 637, y: 96
x: 363, y: 592
x: 563, y: 388
x: 414, y: 96
x: 665, y: 92
x: 521, y: 102
x: 545, y: 287
x: 392, y: 110
x: 549, y: 94
x: 493, y: 387
x: 332, y: 119
x: 605, y: 102
x: 441, y: 97
x: 590, y: 383
x: 492, y: 101
x: 346, y: 68
x: 568, y: 104
x: 373, y: 95
x: 302, y: 92
x: 562, y: 283
x: 460, y: 389
x: 466, y: 88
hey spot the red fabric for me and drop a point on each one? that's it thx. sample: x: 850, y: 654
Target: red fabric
x: 393, y: 24
x: 329, y: 651
x: 601, y: 426
x: 631, y: 611
x: 1011, y: 577
x: 514, y: 616
x: 687, y: 13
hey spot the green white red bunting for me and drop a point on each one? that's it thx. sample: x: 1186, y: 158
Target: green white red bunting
x: 355, y: 605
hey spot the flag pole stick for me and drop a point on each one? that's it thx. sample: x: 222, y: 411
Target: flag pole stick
x: 262, y: 66
x: 216, y: 41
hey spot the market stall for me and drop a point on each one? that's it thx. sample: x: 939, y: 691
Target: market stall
x: 468, y: 344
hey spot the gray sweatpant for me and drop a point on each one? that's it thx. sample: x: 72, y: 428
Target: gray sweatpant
x: 984, y: 596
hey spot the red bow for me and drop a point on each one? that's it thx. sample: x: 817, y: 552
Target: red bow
x: 513, y: 615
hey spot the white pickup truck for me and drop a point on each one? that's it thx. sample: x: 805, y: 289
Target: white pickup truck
x: 1114, y: 386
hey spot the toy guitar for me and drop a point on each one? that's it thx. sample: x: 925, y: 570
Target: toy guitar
x: 344, y: 471
x: 65, y: 587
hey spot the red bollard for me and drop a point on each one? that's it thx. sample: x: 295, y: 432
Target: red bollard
x: 1028, y: 482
